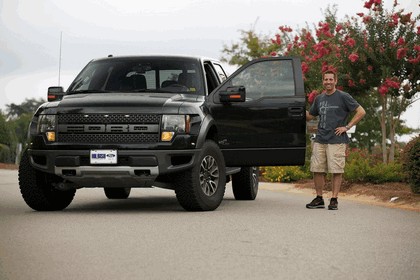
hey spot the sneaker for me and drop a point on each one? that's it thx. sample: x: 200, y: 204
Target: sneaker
x: 318, y: 202
x: 333, y: 204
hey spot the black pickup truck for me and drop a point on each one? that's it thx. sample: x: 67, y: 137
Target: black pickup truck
x: 176, y: 122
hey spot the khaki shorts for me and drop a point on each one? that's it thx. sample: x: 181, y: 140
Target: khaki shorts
x: 328, y: 158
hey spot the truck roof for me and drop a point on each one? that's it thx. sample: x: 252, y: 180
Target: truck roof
x: 158, y: 56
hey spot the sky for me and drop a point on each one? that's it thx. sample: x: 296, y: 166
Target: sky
x: 30, y: 34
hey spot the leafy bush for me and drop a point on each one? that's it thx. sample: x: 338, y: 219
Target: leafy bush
x: 364, y: 167
x: 284, y: 173
x: 5, y: 154
x: 411, y: 163
x: 361, y: 166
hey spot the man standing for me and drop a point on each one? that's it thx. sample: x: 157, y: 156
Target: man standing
x: 329, y: 149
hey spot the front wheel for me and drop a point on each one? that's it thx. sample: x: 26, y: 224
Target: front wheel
x: 202, y: 188
x: 37, y: 188
x: 245, y: 183
x: 117, y: 193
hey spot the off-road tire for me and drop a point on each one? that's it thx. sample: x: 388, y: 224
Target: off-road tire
x: 117, y: 193
x: 202, y: 188
x: 245, y: 183
x: 37, y: 188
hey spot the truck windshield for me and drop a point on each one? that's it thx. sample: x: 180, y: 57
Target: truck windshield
x: 169, y: 75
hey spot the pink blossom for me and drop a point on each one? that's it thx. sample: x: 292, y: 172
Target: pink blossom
x: 273, y: 54
x: 367, y: 19
x: 406, y: 18
x: 284, y: 28
x: 353, y: 57
x: 401, y: 41
x: 383, y: 90
x: 277, y: 41
x: 418, y: 30
x: 312, y: 95
x: 362, y: 81
x: 395, y: 18
x: 414, y: 60
x: 369, y: 4
x: 401, y: 53
x: 417, y: 48
x: 351, y: 83
x: 370, y: 68
x: 392, y: 83
x: 360, y: 14
x: 350, y: 42
x: 338, y: 28
x: 324, y: 30
x: 305, y: 68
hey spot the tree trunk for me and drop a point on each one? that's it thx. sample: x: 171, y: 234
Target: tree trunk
x: 383, y: 128
x: 392, y: 138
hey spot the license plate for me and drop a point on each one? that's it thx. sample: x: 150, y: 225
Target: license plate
x: 103, y: 157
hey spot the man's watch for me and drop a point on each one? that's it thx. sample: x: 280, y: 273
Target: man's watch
x: 348, y: 127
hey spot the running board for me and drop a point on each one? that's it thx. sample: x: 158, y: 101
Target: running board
x: 232, y: 170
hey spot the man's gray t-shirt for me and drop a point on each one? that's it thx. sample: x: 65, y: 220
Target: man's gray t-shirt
x: 333, y: 111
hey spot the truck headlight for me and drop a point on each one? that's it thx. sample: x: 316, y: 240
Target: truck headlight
x: 174, y: 124
x: 47, y: 125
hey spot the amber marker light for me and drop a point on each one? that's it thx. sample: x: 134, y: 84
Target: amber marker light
x: 50, y: 136
x: 167, y: 136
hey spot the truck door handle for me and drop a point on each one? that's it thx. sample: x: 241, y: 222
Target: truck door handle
x: 296, y: 112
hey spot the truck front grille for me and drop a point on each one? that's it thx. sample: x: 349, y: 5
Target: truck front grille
x: 108, y: 118
x: 108, y: 128
x: 109, y: 138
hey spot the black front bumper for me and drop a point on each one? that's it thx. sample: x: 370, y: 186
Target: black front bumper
x: 135, y: 168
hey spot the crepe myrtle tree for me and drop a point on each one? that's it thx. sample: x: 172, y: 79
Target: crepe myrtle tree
x: 376, y: 56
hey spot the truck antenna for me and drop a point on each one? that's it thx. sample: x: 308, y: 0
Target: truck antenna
x: 59, y: 60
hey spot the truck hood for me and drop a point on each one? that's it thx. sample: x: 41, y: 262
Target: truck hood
x: 156, y: 103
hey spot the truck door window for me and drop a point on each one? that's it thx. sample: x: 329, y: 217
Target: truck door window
x: 222, y: 75
x: 267, y: 79
x: 211, y: 78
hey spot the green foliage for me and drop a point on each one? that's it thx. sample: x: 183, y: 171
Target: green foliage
x: 411, y: 163
x: 364, y: 167
x: 361, y: 167
x: 28, y: 106
x: 284, y: 173
x: 20, y: 126
x: 5, y: 154
x: 4, y: 132
x: 252, y: 46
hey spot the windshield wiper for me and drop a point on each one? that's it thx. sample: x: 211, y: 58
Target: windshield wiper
x: 89, y: 91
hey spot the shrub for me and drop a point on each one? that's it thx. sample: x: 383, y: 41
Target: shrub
x: 357, y: 166
x: 5, y: 154
x: 364, y: 167
x: 411, y: 163
x: 284, y: 173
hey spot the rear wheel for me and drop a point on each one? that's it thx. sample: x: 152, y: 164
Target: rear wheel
x: 202, y: 188
x: 37, y: 188
x: 117, y: 193
x: 245, y: 183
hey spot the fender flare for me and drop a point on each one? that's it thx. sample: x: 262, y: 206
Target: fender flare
x: 207, y: 124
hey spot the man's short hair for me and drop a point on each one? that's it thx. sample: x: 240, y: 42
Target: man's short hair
x: 330, y: 72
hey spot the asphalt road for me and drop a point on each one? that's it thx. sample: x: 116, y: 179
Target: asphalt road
x: 149, y: 236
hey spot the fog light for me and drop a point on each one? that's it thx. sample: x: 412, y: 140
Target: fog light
x: 167, y: 136
x: 50, y: 136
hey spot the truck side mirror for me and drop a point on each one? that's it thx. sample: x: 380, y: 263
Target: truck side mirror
x: 55, y: 93
x: 233, y: 94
